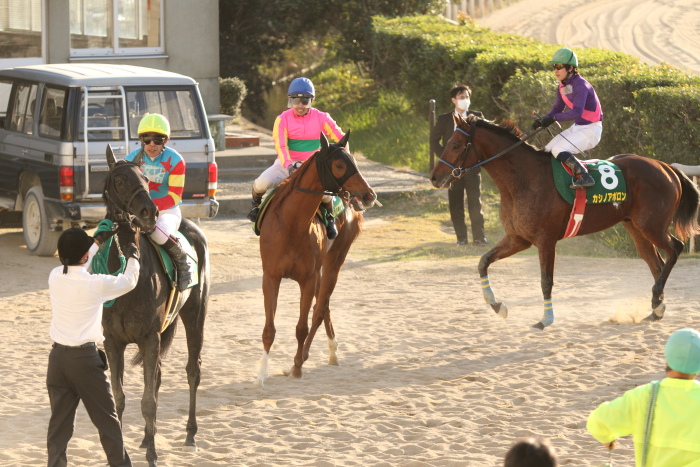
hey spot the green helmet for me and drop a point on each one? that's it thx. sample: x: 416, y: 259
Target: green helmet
x: 154, y: 123
x: 565, y: 56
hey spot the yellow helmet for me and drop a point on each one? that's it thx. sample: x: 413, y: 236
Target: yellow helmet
x: 154, y: 123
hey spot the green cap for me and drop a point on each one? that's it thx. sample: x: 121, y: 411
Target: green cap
x: 565, y: 56
x: 683, y: 351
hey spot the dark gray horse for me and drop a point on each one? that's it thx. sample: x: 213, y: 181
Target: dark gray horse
x: 137, y: 316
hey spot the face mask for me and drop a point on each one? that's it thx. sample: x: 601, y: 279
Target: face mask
x: 463, y: 104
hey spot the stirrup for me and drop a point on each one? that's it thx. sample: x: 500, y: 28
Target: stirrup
x: 584, y: 181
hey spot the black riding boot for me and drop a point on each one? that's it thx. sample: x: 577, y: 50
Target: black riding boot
x: 331, y: 229
x: 179, y: 257
x: 257, y: 199
x: 583, y: 178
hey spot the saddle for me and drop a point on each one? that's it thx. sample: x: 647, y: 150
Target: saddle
x: 610, y: 187
x: 338, y: 208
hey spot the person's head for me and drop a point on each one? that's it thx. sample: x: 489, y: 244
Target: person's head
x: 564, y: 62
x: 154, y: 132
x: 461, y: 97
x: 682, y: 352
x: 301, y: 94
x: 531, y: 452
x: 73, y: 246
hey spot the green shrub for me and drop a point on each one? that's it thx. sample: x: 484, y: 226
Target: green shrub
x: 670, y: 119
x: 232, y: 92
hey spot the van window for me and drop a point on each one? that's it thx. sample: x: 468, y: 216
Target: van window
x: 5, y: 88
x: 51, y: 117
x: 178, y: 106
x: 104, y: 111
x: 22, y: 108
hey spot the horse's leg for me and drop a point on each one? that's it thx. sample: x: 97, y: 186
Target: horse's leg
x: 672, y: 248
x: 508, y: 246
x: 650, y: 254
x: 322, y: 311
x: 547, y: 253
x: 193, y: 319
x: 308, y: 291
x: 115, y: 358
x: 150, y: 349
x: 271, y: 288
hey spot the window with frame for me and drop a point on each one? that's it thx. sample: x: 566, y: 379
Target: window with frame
x: 116, y: 27
x: 177, y: 105
x: 52, y: 114
x: 20, y: 28
x: 22, y: 108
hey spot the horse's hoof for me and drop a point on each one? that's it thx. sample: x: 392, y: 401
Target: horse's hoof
x: 144, y: 444
x: 539, y: 326
x: 190, y: 447
x: 333, y: 360
x: 501, y: 309
x: 656, y: 313
x: 296, y: 373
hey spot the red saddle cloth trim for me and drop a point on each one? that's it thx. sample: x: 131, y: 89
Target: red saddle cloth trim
x: 577, y: 210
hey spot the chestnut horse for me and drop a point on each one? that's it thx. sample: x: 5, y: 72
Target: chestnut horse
x: 294, y: 244
x: 533, y: 213
x: 136, y: 317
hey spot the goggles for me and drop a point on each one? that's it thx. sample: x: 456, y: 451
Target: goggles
x: 300, y: 100
x: 158, y: 139
x: 558, y: 66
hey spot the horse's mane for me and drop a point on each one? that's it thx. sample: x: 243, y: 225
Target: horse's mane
x: 507, y: 127
x: 288, y: 183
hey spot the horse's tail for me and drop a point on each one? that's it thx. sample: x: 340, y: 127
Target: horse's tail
x: 166, y: 340
x: 685, y: 220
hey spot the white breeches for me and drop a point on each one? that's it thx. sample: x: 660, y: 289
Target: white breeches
x: 273, y: 176
x: 576, y: 139
x: 167, y: 224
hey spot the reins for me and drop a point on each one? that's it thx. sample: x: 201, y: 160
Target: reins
x: 331, y: 185
x: 458, y: 171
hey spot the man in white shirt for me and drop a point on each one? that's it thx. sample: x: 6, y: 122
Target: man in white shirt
x: 76, y: 366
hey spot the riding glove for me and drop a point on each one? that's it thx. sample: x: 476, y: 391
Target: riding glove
x: 131, y: 251
x: 103, y: 236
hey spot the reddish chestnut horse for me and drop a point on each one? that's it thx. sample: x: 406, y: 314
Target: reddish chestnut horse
x: 533, y: 213
x: 294, y: 244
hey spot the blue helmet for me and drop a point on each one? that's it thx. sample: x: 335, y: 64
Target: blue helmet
x: 301, y: 87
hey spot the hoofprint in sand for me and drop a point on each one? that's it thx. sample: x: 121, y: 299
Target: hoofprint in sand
x: 428, y: 374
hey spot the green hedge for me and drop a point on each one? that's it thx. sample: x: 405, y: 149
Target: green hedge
x: 232, y: 92
x: 422, y: 56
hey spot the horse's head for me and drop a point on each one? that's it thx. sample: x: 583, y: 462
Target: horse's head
x: 126, y: 194
x: 458, y: 153
x: 338, y: 173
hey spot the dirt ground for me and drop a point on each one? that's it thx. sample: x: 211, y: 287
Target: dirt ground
x: 428, y: 375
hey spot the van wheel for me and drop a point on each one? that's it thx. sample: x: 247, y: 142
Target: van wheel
x: 39, y: 239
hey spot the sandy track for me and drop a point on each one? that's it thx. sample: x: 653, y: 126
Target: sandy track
x: 429, y: 376
x: 653, y: 30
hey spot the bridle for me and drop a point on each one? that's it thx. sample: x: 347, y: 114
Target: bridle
x: 458, y: 171
x: 332, y: 186
x: 121, y: 207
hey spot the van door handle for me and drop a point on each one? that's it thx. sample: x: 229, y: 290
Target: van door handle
x: 25, y: 152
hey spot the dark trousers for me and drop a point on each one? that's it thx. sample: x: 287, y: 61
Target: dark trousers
x: 77, y: 374
x: 471, y: 184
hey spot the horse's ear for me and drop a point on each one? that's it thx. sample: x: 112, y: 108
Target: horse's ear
x: 111, y: 159
x: 139, y: 157
x: 456, y: 118
x: 324, y: 143
x: 344, y: 142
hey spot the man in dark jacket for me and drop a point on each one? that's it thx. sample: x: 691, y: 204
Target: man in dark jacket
x: 470, y: 182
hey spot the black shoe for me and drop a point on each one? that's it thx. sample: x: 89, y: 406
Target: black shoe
x: 482, y: 242
x: 253, y: 214
x: 584, y: 181
x: 331, y: 229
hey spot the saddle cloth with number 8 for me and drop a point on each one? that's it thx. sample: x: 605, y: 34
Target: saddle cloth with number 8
x: 609, y: 185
